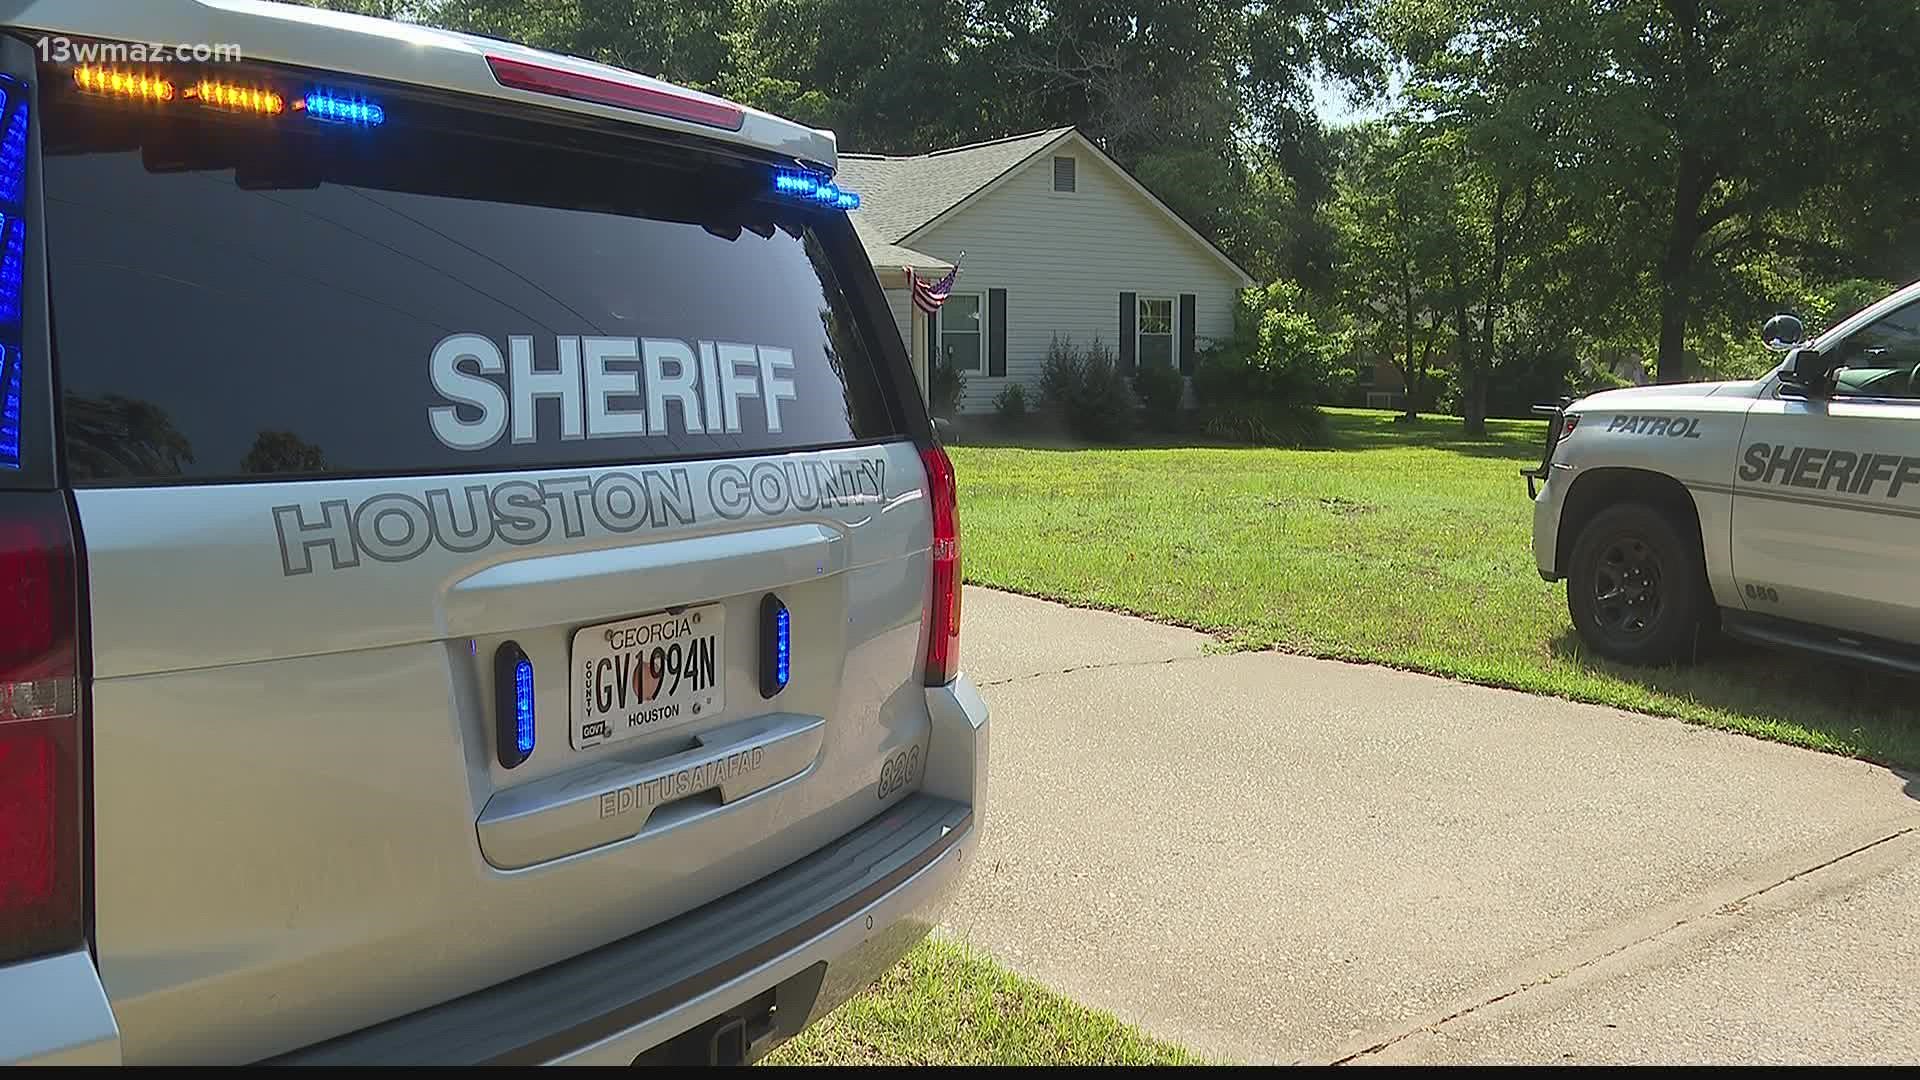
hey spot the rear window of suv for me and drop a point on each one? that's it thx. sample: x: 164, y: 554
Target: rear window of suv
x: 236, y: 297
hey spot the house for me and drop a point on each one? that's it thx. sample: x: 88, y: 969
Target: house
x: 1058, y: 239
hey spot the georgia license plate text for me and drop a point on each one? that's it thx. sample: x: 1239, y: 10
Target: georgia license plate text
x: 645, y: 674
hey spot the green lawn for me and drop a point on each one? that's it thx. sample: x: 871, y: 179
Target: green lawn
x: 1401, y: 546
x: 947, y: 1005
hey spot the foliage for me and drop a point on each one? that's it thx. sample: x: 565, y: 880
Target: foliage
x: 1088, y: 389
x: 1278, y: 355
x: 1678, y: 159
x: 1394, y: 216
x: 1159, y: 390
x: 948, y: 384
x: 946, y: 1003
x: 1263, y: 423
x: 1010, y: 404
x: 1261, y: 386
x: 1207, y: 102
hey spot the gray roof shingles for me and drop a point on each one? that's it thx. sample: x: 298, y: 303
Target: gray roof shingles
x: 900, y: 194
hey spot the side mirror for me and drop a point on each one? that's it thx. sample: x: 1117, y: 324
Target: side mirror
x: 1783, y: 333
x: 1807, y: 369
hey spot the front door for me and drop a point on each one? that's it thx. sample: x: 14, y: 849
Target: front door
x: 1826, y: 521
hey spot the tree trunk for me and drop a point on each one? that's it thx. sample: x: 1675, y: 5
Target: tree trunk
x: 1472, y: 395
x: 1691, y: 180
x: 1676, y: 270
x: 1409, y: 375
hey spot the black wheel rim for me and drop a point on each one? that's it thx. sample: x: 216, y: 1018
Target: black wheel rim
x: 1627, y: 596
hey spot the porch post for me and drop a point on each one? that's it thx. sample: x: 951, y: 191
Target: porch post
x: 917, y: 342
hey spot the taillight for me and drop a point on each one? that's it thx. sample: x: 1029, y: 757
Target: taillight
x: 943, y: 612
x: 41, y: 893
x: 1568, y: 423
x: 520, y: 75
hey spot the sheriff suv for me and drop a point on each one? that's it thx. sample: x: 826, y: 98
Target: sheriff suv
x: 477, y: 581
x: 1784, y: 510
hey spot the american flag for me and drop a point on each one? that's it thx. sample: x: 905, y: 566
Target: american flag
x: 929, y: 295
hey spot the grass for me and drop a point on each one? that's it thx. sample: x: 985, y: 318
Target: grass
x: 945, y: 1004
x: 1405, y: 545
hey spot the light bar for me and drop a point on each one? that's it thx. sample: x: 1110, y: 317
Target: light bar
x: 520, y: 75
x: 126, y: 84
x: 238, y: 98
x: 13, y: 157
x: 9, y: 408
x: 13, y: 262
x: 339, y: 110
x: 814, y: 188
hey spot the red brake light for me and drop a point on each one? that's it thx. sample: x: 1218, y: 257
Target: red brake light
x: 1571, y: 421
x: 40, y: 871
x: 521, y: 75
x: 943, y: 610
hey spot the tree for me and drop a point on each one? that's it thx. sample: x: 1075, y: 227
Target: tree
x: 1726, y: 126
x: 1394, y: 217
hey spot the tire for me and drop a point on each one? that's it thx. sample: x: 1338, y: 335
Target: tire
x: 1638, y: 591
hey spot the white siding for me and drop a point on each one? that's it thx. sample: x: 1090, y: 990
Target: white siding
x: 900, y: 303
x: 1064, y: 260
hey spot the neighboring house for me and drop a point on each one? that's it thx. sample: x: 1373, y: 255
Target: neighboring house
x: 1058, y: 240
x: 1382, y: 386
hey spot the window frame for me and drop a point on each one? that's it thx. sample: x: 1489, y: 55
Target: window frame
x: 1140, y: 302
x: 1843, y: 348
x: 1053, y: 175
x: 940, y: 329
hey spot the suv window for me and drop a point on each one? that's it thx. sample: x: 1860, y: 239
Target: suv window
x: 1882, y: 358
x: 239, y: 296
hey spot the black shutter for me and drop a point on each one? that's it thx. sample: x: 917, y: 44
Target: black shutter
x: 933, y: 341
x: 1127, y: 313
x: 996, y: 332
x: 1188, y: 354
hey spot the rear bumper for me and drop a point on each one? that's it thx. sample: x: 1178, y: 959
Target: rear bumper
x: 814, y: 934
x: 829, y: 924
x: 53, y: 1011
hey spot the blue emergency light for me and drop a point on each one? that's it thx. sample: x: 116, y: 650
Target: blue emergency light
x: 513, y: 704
x: 340, y: 110
x: 814, y: 188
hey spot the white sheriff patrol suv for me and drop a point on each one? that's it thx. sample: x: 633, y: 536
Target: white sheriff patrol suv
x: 1784, y: 510
x: 477, y: 580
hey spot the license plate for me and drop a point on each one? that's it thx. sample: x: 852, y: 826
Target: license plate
x: 641, y: 675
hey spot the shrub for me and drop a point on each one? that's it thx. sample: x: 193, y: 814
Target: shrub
x: 947, y: 386
x: 1268, y: 424
x: 1088, y: 389
x: 1010, y: 404
x: 1261, y: 386
x: 1160, y: 390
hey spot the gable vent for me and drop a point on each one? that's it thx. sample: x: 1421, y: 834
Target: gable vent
x: 1063, y: 174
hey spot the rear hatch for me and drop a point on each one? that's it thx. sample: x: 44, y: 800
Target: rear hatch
x: 500, y: 535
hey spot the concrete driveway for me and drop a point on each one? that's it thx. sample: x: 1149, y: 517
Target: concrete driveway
x: 1271, y: 858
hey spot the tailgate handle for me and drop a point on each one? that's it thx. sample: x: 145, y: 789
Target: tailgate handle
x: 613, y: 800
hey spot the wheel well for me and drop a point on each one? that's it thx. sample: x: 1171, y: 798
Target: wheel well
x: 1596, y: 489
